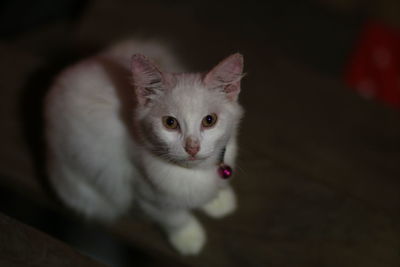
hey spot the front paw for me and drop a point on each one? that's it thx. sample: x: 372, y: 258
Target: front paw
x: 222, y: 205
x: 189, y: 239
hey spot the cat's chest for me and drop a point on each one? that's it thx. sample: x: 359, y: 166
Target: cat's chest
x: 183, y: 187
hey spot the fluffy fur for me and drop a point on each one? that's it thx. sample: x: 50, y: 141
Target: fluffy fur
x: 108, y: 147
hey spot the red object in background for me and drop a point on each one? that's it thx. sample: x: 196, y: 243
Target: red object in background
x: 374, y: 69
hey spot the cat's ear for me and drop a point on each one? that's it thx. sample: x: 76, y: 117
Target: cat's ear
x: 226, y: 76
x: 148, y: 81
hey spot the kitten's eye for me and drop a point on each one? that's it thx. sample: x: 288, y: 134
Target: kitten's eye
x: 170, y: 122
x: 209, y: 120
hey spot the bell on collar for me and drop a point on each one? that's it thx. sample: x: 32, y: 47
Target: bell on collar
x: 224, y: 171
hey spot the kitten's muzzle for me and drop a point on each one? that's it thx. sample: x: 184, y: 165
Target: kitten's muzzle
x: 192, y: 146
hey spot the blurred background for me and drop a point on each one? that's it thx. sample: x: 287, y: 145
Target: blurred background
x: 319, y: 166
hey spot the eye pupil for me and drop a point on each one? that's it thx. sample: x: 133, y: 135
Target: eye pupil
x: 170, y: 121
x: 209, y: 119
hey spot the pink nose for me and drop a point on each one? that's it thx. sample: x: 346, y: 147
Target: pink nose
x: 192, y: 146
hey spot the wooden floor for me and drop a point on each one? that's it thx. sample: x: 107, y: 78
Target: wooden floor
x: 318, y: 178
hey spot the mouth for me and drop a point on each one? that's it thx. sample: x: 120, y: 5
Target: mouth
x: 193, y: 158
x: 188, y: 160
x: 196, y: 158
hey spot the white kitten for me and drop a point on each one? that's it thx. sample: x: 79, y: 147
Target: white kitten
x: 156, y: 141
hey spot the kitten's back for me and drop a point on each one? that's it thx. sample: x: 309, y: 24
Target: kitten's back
x: 88, y: 122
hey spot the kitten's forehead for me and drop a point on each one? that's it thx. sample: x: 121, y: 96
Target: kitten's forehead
x: 189, y: 96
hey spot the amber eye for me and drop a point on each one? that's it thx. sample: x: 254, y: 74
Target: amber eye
x: 209, y: 120
x: 170, y: 122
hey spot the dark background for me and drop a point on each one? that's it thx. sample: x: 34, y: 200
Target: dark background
x: 318, y: 175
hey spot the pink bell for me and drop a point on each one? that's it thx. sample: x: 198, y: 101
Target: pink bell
x: 224, y: 171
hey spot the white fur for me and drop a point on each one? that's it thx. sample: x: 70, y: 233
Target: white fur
x: 105, y: 152
x: 223, y: 204
x: 188, y: 239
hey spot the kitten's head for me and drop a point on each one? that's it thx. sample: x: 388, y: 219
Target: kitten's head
x: 187, y: 118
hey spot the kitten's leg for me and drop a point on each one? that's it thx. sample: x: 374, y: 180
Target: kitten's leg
x: 223, y: 204
x: 184, y: 231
